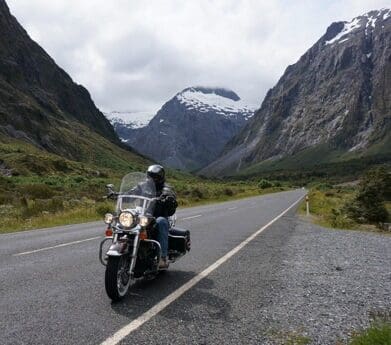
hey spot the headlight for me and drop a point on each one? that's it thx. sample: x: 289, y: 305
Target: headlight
x: 108, y: 218
x: 143, y: 220
x: 126, y: 219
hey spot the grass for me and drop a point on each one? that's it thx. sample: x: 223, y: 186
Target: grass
x: 327, y: 206
x: 43, y: 189
x: 321, y: 163
x: 33, y: 201
x: 378, y: 333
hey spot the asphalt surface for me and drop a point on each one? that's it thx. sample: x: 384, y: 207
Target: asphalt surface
x: 52, y: 284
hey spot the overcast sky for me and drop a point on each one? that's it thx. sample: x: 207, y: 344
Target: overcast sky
x: 135, y: 55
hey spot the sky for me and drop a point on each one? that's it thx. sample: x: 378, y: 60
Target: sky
x: 135, y: 55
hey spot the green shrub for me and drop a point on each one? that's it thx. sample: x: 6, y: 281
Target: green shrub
x: 103, y: 208
x: 36, y: 207
x: 197, y: 193
x: 229, y: 191
x: 263, y: 184
x: 369, y: 202
x: 37, y: 191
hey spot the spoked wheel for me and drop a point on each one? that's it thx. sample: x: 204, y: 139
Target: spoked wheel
x: 117, y: 278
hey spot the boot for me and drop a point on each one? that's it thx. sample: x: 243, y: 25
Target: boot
x: 163, y: 263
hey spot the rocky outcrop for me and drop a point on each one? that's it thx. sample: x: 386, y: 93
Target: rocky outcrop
x: 337, y: 95
x: 191, y: 129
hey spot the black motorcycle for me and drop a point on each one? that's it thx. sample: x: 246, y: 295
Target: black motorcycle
x: 134, y: 251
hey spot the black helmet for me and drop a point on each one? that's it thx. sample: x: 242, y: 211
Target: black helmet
x: 156, y: 173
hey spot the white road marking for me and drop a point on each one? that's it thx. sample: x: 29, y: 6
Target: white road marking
x: 196, y: 216
x: 132, y: 326
x: 57, y: 246
x: 233, y: 208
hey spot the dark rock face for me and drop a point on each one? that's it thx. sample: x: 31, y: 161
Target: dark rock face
x: 37, y: 98
x: 338, y: 94
x: 191, y: 129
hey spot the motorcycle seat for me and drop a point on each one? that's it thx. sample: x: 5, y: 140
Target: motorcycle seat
x: 178, y: 232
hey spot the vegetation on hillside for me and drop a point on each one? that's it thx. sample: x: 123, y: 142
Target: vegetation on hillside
x: 41, y: 189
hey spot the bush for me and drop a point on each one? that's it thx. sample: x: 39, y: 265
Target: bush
x: 36, y: 207
x: 37, y: 191
x: 103, y: 208
x: 198, y: 193
x: 263, y: 184
x: 228, y: 192
x: 369, y: 203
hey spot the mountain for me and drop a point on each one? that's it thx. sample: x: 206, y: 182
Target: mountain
x: 40, y: 106
x: 126, y: 123
x: 191, y: 129
x: 333, y: 105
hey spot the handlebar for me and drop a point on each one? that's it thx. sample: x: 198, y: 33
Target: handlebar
x: 115, y: 195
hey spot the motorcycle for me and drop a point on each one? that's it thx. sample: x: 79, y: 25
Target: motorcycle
x: 131, y: 232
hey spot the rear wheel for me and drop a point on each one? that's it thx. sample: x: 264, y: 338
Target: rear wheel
x: 117, y: 278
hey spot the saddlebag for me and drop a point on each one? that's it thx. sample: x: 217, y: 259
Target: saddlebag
x: 178, y: 242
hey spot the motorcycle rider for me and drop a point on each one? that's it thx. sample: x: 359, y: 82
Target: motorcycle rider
x: 165, y: 207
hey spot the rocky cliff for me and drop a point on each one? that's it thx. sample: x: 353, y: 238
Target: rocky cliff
x: 336, y: 100
x: 39, y: 102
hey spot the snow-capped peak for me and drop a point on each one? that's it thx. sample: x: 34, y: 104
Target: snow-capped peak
x: 222, y: 101
x: 367, y: 21
x: 134, y: 119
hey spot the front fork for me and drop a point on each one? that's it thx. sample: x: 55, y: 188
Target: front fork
x: 133, y: 257
x: 118, y: 248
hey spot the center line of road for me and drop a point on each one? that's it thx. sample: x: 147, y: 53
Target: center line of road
x: 196, y: 216
x: 165, y: 302
x: 57, y: 246
x: 233, y: 208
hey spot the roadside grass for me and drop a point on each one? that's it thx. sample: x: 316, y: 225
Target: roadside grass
x: 378, y: 333
x: 328, y: 207
x: 326, y: 204
x: 33, y: 201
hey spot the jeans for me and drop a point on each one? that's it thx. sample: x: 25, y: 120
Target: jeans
x: 162, y: 234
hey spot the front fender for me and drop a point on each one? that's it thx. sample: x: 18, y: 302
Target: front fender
x: 118, y: 249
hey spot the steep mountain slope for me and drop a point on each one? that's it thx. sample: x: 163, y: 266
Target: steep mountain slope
x: 191, y: 129
x: 333, y: 104
x: 41, y: 106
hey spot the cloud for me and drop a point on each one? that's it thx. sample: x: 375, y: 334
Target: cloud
x: 138, y: 54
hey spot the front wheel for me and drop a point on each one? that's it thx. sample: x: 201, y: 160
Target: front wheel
x: 117, y: 278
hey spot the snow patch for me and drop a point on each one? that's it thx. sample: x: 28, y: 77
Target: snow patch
x: 371, y: 22
x: 387, y: 14
x: 205, y: 102
x: 348, y: 27
x: 134, y: 119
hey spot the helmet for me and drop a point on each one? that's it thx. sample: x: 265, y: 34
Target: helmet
x: 156, y: 173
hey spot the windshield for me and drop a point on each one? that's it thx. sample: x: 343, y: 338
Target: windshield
x: 136, y: 189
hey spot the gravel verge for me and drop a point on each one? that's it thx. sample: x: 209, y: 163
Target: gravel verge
x: 329, y: 283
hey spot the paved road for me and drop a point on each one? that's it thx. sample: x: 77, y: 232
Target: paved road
x: 52, y: 288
